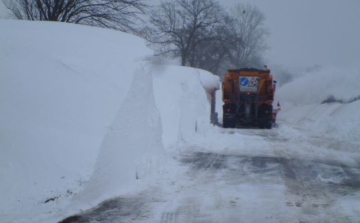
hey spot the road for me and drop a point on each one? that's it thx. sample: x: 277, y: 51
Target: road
x: 282, y: 186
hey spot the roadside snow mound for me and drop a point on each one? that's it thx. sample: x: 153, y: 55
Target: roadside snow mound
x: 315, y: 87
x: 301, y: 103
x: 61, y: 87
x: 131, y: 149
x: 182, y: 101
x: 82, y: 116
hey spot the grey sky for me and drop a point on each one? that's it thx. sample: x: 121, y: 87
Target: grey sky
x: 307, y: 32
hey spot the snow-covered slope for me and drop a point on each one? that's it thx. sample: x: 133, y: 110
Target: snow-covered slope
x: 82, y: 119
x: 302, y: 99
x: 316, y: 86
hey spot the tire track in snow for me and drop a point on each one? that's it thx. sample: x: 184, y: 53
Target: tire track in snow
x: 313, y: 186
x: 186, y: 206
x: 168, y: 218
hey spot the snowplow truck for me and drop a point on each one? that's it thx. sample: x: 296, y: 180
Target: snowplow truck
x: 248, y: 95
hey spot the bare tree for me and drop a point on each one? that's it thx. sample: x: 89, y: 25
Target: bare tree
x: 179, y: 27
x: 116, y: 14
x: 249, y: 26
x: 212, y: 54
x: 203, y: 35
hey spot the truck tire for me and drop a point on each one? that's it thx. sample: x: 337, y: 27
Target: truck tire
x: 225, y: 124
x: 228, y: 123
x: 265, y: 115
x: 269, y: 125
x: 265, y: 125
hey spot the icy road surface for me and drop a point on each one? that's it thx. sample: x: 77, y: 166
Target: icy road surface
x: 307, y: 178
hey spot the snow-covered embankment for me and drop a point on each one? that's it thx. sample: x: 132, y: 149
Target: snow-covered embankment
x: 82, y: 118
x: 302, y: 102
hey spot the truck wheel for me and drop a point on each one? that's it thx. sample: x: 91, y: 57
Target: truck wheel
x: 228, y: 123
x: 268, y: 125
x: 261, y: 125
x: 265, y: 125
x: 225, y: 124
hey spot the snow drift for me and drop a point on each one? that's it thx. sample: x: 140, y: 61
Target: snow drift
x: 82, y: 118
x: 131, y: 147
x: 302, y: 105
x: 61, y: 87
x: 182, y: 101
x: 316, y: 86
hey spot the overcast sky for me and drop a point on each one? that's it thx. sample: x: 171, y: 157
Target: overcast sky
x: 308, y: 32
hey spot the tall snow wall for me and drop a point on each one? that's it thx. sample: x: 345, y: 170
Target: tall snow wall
x: 181, y: 95
x: 132, y: 147
x: 61, y: 87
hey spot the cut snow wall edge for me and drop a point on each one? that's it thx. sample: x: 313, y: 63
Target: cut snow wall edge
x: 119, y: 132
x: 137, y: 128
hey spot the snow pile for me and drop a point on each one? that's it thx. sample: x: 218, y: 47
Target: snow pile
x: 132, y: 147
x: 61, y: 88
x: 83, y: 114
x: 183, y: 104
x: 302, y: 99
x: 316, y: 86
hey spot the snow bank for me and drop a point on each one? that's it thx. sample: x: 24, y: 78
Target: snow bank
x: 182, y: 101
x: 131, y: 149
x: 61, y: 87
x: 316, y: 86
x: 301, y: 103
x: 84, y: 118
